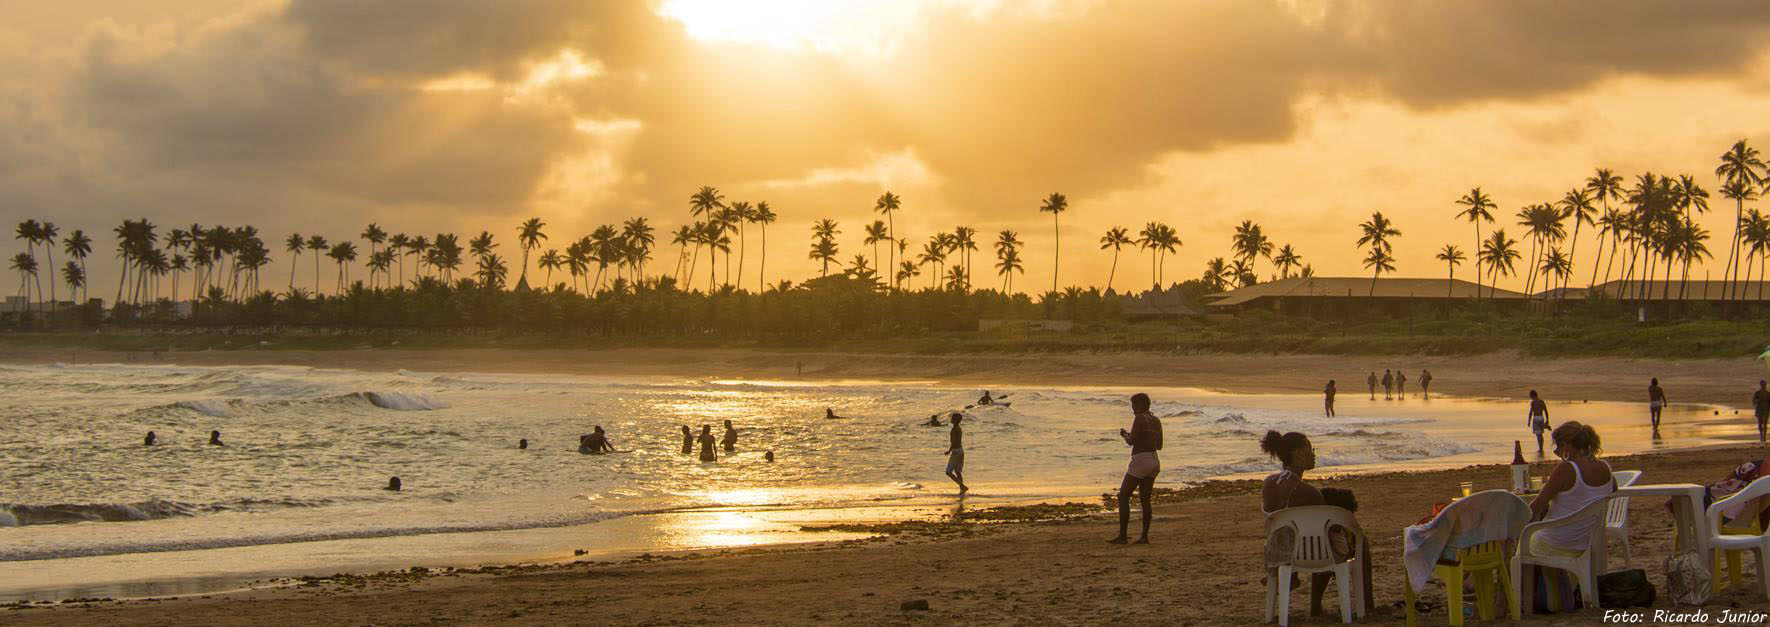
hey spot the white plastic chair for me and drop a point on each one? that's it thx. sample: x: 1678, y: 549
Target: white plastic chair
x: 1313, y: 553
x: 1616, y: 522
x: 1759, y: 545
x: 1584, y: 567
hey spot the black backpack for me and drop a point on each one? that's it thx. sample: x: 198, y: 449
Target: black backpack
x: 1625, y: 588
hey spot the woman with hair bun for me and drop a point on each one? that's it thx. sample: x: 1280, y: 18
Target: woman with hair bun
x: 1286, y: 489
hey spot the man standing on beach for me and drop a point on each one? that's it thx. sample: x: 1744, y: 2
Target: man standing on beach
x: 1400, y: 385
x: 1329, y: 393
x: 1761, y: 406
x: 1656, y: 402
x: 1372, y: 381
x: 1388, y: 385
x: 955, y: 454
x: 1145, y: 438
x: 1538, y: 419
x: 1425, y: 383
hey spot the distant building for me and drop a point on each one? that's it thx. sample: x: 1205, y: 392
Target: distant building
x: 16, y: 303
x: 1349, y: 294
x: 987, y: 324
x: 1157, y: 304
x: 1753, y: 292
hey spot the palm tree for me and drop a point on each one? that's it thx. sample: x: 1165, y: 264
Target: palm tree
x: 529, y: 237
x: 1286, y: 259
x: 1007, y: 259
x: 764, y: 216
x: 739, y: 215
x: 75, y: 276
x: 1216, y: 272
x: 46, y: 236
x: 550, y: 261
x: 396, y: 245
x: 1450, y: 255
x: 294, y: 245
x: 375, y: 236
x: 30, y: 231
x: 824, y: 249
x: 875, y: 233
x: 179, y: 264
x: 1250, y: 243
x: 481, y: 245
x: 318, y: 245
x: 78, y: 246
x: 1376, y: 232
x: 1556, y: 265
x: 578, y: 257
x: 889, y: 204
x: 602, y: 249
x: 637, y: 233
x: 1741, y: 167
x: 418, y: 247
x: 1115, y: 238
x: 907, y: 271
x: 1055, y: 204
x: 1499, y: 253
x: 1757, y: 236
x: 1243, y: 273
x: 345, y: 254
x: 1577, y: 204
x: 492, y: 271
x: 703, y: 204
x: 681, y: 238
x: 1603, y: 186
x: 964, y: 241
x: 26, y: 265
x: 1477, y: 208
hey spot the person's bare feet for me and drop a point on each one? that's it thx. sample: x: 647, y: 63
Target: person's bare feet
x: 1118, y: 540
x: 1143, y: 540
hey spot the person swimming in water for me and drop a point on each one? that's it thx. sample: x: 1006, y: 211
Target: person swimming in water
x: 149, y: 441
x: 596, y: 443
x: 687, y: 440
x: 933, y: 421
x: 729, y: 442
x: 523, y: 444
x: 955, y: 453
x: 215, y: 438
x: 831, y: 414
x: 769, y: 456
x: 706, y: 439
x: 393, y: 484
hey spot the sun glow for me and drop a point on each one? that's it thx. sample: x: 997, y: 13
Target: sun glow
x: 867, y: 26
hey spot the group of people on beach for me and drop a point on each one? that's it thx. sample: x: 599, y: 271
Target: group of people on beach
x: 1394, y: 387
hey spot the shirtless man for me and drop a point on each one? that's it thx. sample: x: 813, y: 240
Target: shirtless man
x: 1372, y: 381
x: 596, y: 443
x: 1425, y: 383
x: 1761, y: 407
x: 1329, y: 393
x: 1400, y: 385
x: 986, y: 400
x: 955, y: 454
x: 1388, y: 385
x: 1538, y: 418
x: 1656, y: 401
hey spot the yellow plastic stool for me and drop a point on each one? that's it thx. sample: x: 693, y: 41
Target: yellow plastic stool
x: 1481, y: 561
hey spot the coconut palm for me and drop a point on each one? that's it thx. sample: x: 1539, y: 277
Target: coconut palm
x: 396, y: 246
x: 75, y: 276
x: 1249, y: 243
x: 875, y: 233
x: 889, y: 204
x: 1054, y: 205
x: 1115, y: 238
x: 1243, y: 272
x: 907, y: 271
x: 529, y: 237
x: 934, y: 252
x: 1604, y: 186
x: 1556, y: 265
x: 1376, y: 232
x: 764, y: 216
x: 638, y: 235
x: 294, y: 245
x: 964, y: 242
x: 825, y: 248
x: 375, y: 236
x: 46, y: 235
x: 1008, y: 259
x: 1577, y: 204
x: 1452, y: 256
x: 492, y: 271
x: 318, y: 245
x: 345, y: 254
x: 26, y: 266
x: 481, y: 245
x: 31, y: 232
x: 78, y: 246
x: 1216, y: 274
x: 418, y: 247
x: 1500, y: 254
x: 1477, y: 208
x: 681, y: 238
x: 737, y: 216
x: 1286, y: 259
x: 1742, y: 167
x: 550, y: 261
x: 1756, y: 235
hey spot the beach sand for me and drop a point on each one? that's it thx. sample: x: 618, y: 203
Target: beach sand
x: 1203, y: 568
x: 1728, y: 382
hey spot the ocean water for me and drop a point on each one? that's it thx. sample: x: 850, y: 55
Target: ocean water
x: 308, y: 450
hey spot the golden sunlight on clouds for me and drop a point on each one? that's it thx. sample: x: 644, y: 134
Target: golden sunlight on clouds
x: 567, y: 67
x: 884, y: 170
x: 866, y: 26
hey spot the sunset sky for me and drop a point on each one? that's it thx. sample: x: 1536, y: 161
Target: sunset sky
x: 463, y: 115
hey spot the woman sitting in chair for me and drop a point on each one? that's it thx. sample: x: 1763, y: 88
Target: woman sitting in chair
x: 1580, y: 479
x: 1286, y: 489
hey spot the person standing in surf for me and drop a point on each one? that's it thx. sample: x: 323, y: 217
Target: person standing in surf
x: 1761, y: 407
x: 707, y: 441
x: 955, y: 454
x: 1388, y: 385
x: 1329, y: 394
x: 1425, y: 383
x: 1400, y: 385
x: 1538, y: 418
x: 1145, y: 438
x: 729, y: 442
x: 687, y: 440
x: 596, y: 443
x: 1656, y: 402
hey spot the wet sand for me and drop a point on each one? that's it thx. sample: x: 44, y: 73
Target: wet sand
x: 1727, y: 382
x: 1203, y: 568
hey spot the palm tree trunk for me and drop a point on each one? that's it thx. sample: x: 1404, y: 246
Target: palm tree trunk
x: 742, y: 250
x: 762, y: 268
x: 1572, y: 253
x: 1477, y: 257
x: 1056, y: 250
x: 1449, y: 284
x: 891, y: 223
x: 1110, y: 274
x: 1733, y: 249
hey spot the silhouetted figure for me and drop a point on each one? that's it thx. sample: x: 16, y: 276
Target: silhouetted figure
x: 1372, y: 381
x: 392, y: 484
x: 933, y: 421
x: 729, y: 442
x: 831, y: 414
x: 1388, y: 385
x: 1328, y: 397
x: 1400, y: 385
x: 769, y: 456
x: 523, y: 444
x: 955, y: 453
x: 1145, y: 438
x: 706, y: 439
x: 801, y: 366
x: 687, y: 440
x: 986, y: 400
x: 1761, y: 407
x: 149, y: 441
x: 1538, y: 418
x: 596, y: 443
x: 215, y: 438
x: 1656, y: 401
x: 1425, y: 383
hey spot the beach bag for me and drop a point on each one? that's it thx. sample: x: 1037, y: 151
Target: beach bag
x: 1688, y: 579
x: 1625, y: 588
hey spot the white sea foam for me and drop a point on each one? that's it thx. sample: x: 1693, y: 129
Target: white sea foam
x: 208, y: 407
x: 404, y: 401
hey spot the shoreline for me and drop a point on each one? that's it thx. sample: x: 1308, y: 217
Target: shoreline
x: 1203, y: 564
x: 1724, y: 382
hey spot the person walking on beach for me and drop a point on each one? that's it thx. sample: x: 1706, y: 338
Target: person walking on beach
x: 1329, y: 394
x: 729, y: 442
x: 687, y: 440
x: 1373, y: 383
x: 1388, y: 385
x: 955, y: 453
x: 706, y: 439
x: 1656, y: 401
x: 1538, y: 418
x: 1145, y: 438
x: 1400, y: 385
x: 1425, y: 383
x: 1761, y: 406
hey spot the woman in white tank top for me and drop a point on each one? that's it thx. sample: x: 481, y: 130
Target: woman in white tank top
x: 1580, y: 479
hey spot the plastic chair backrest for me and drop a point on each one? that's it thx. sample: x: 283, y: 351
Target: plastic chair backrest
x: 1313, y: 548
x: 1757, y: 488
x: 1618, y: 516
x: 1483, y: 504
x: 1593, y: 511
